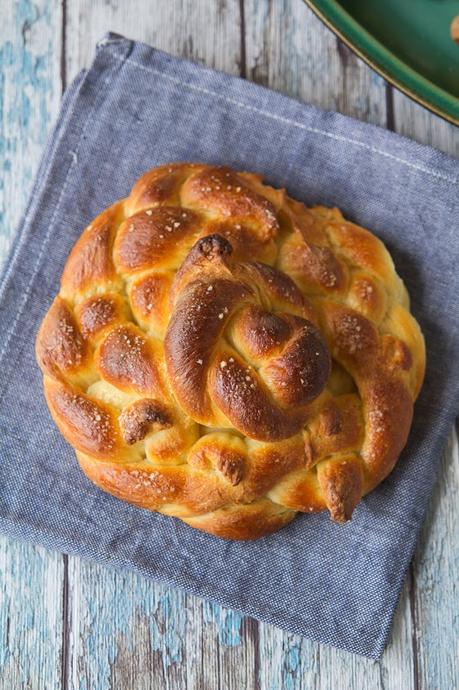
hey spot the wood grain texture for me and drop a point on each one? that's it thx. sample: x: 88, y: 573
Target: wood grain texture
x: 436, y: 591
x: 30, y: 40
x: 30, y: 617
x: 65, y: 623
x: 414, y: 121
x: 290, y: 50
x: 127, y: 632
x: 124, y: 632
x: 208, y: 31
x: 30, y: 577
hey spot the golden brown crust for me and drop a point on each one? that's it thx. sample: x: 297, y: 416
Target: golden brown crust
x: 155, y: 238
x: 60, y: 348
x: 128, y: 360
x: 88, y: 425
x: 90, y: 265
x: 99, y: 312
x: 250, y: 521
x: 220, y: 353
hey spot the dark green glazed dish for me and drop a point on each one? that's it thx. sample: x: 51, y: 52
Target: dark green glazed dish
x: 407, y: 41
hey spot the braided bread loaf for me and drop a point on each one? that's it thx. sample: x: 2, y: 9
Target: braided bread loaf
x: 220, y: 353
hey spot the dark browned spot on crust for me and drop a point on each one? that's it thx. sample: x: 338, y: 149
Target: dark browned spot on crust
x: 231, y: 465
x: 208, y: 259
x: 341, y: 482
x: 331, y: 421
x: 154, y: 237
x: 247, y: 246
x: 126, y: 359
x: 221, y: 452
x: 309, y: 458
x: 60, y: 345
x: 212, y: 247
x: 142, y: 417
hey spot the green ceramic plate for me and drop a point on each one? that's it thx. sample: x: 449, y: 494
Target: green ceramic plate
x: 407, y: 41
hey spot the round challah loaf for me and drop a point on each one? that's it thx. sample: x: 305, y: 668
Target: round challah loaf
x: 220, y: 353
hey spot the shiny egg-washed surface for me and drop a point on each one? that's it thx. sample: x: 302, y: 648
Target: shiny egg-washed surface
x: 220, y: 353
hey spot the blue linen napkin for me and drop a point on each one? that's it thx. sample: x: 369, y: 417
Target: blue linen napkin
x: 136, y: 108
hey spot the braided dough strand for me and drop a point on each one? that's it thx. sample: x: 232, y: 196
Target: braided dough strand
x: 220, y: 353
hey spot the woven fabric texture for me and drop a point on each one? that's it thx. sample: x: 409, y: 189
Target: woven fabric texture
x: 137, y: 108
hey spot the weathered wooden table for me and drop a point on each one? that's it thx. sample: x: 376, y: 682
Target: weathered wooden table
x: 66, y: 623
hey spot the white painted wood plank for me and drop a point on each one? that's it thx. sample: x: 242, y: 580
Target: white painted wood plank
x: 30, y: 95
x: 128, y: 632
x: 207, y: 31
x: 30, y: 577
x: 227, y: 649
x: 290, y: 50
x: 287, y: 661
x: 124, y: 632
x: 414, y: 121
x: 435, y: 599
x: 436, y: 569
x: 30, y: 617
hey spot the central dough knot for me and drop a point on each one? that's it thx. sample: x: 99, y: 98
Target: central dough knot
x: 242, y: 349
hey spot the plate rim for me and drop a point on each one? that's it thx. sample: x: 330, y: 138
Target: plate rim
x: 319, y: 7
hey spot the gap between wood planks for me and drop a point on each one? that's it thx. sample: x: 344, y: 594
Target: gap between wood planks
x: 63, y: 70
x: 391, y: 124
x: 65, y: 647
x: 413, y: 613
